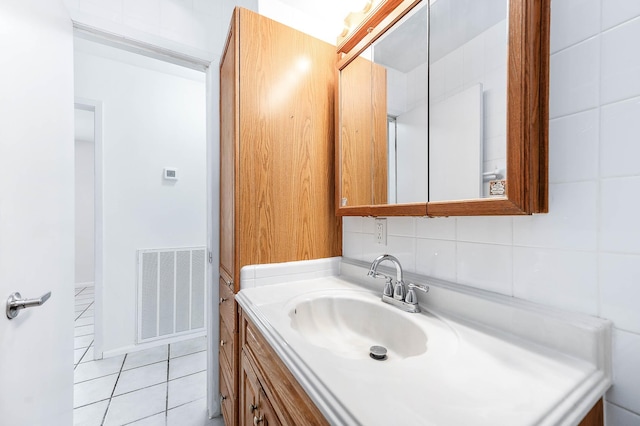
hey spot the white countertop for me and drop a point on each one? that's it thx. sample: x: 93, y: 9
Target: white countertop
x: 483, y: 375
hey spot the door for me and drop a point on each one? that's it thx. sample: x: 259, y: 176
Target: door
x: 36, y: 211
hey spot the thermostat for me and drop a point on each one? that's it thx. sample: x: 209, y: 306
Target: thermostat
x: 171, y: 173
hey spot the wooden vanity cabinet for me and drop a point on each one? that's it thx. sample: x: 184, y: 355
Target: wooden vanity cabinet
x: 276, y: 164
x: 269, y: 385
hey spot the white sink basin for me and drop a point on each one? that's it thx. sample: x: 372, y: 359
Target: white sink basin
x: 348, y: 323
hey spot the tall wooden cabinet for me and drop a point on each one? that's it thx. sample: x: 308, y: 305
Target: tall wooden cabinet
x: 276, y: 164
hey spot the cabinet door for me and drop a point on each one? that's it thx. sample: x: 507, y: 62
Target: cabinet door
x: 228, y: 141
x: 249, y: 393
x: 266, y: 415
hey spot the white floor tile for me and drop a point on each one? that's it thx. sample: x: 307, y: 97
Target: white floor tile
x: 136, y: 405
x: 88, y: 356
x: 94, y: 369
x: 159, y: 419
x: 84, y: 321
x: 187, y: 347
x: 90, y: 415
x: 188, y: 364
x: 141, y: 377
x: 187, y: 389
x: 93, y: 390
x: 78, y: 354
x: 83, y: 330
x: 82, y: 342
x: 192, y: 414
x: 146, y: 357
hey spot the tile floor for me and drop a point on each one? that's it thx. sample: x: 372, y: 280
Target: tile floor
x: 165, y: 385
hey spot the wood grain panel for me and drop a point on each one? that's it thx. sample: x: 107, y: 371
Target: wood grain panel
x: 289, y: 400
x: 228, y: 157
x: 227, y: 401
x: 286, y: 134
x: 355, y: 139
x: 595, y: 417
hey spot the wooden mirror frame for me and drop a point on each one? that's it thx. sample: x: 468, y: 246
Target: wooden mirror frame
x: 527, y: 115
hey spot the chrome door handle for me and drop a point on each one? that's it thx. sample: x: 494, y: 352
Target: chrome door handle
x: 15, y: 303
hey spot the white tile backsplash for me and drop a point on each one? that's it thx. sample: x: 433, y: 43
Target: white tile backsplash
x: 574, y: 78
x: 573, y: 147
x: 573, y: 21
x: 441, y: 228
x: 626, y: 371
x: 616, y: 416
x: 620, y: 204
x: 621, y: 62
x: 571, y: 224
x: 560, y: 278
x: 487, y: 229
x: 620, y: 127
x: 615, y: 12
x: 436, y: 258
x: 619, y: 278
x: 485, y: 266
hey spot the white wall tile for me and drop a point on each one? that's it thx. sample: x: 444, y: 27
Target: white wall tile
x: 620, y: 227
x: 564, y: 279
x: 401, y: 226
x: 626, y: 371
x: 436, y: 258
x: 485, y: 266
x: 573, y: 21
x: 473, y: 54
x: 570, y: 224
x: 573, y: 147
x: 352, y: 224
x: 619, y: 147
x: 615, y: 12
x: 442, y: 228
x: 616, y: 416
x: 145, y: 11
x: 619, y: 278
x: 574, y: 78
x: 109, y: 9
x: 486, y: 229
x: 352, y: 245
x: 404, y: 248
x: 621, y: 62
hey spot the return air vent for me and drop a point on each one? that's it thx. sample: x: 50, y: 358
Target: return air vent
x: 171, y: 292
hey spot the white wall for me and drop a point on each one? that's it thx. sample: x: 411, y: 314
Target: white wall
x: 84, y: 219
x: 584, y: 255
x: 154, y: 117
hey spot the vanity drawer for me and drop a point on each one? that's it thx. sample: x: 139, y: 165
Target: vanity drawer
x: 290, y: 402
x: 227, y: 306
x: 227, y: 400
x: 227, y: 346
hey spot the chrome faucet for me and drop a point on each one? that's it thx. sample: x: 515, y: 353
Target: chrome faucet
x: 395, y: 295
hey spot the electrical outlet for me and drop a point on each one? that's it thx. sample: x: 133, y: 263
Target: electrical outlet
x: 381, y: 231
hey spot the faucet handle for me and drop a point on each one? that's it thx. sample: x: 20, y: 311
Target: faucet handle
x: 411, y: 297
x: 398, y: 291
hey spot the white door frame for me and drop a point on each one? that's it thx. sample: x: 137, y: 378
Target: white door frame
x: 95, y: 106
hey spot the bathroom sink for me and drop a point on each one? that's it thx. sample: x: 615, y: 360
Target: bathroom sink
x: 347, y: 324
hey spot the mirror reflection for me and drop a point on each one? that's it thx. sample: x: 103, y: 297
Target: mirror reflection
x: 467, y: 99
x: 423, y: 109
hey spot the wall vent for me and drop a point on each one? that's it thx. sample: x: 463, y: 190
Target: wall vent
x: 171, y: 292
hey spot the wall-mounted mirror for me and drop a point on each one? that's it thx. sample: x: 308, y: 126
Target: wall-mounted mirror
x: 442, y: 110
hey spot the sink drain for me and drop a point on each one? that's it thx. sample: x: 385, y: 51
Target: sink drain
x: 378, y: 353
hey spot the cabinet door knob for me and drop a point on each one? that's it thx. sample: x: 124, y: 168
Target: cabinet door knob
x: 223, y: 398
x: 229, y: 284
x: 253, y: 407
x: 257, y: 420
x: 222, y: 342
x: 223, y: 299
